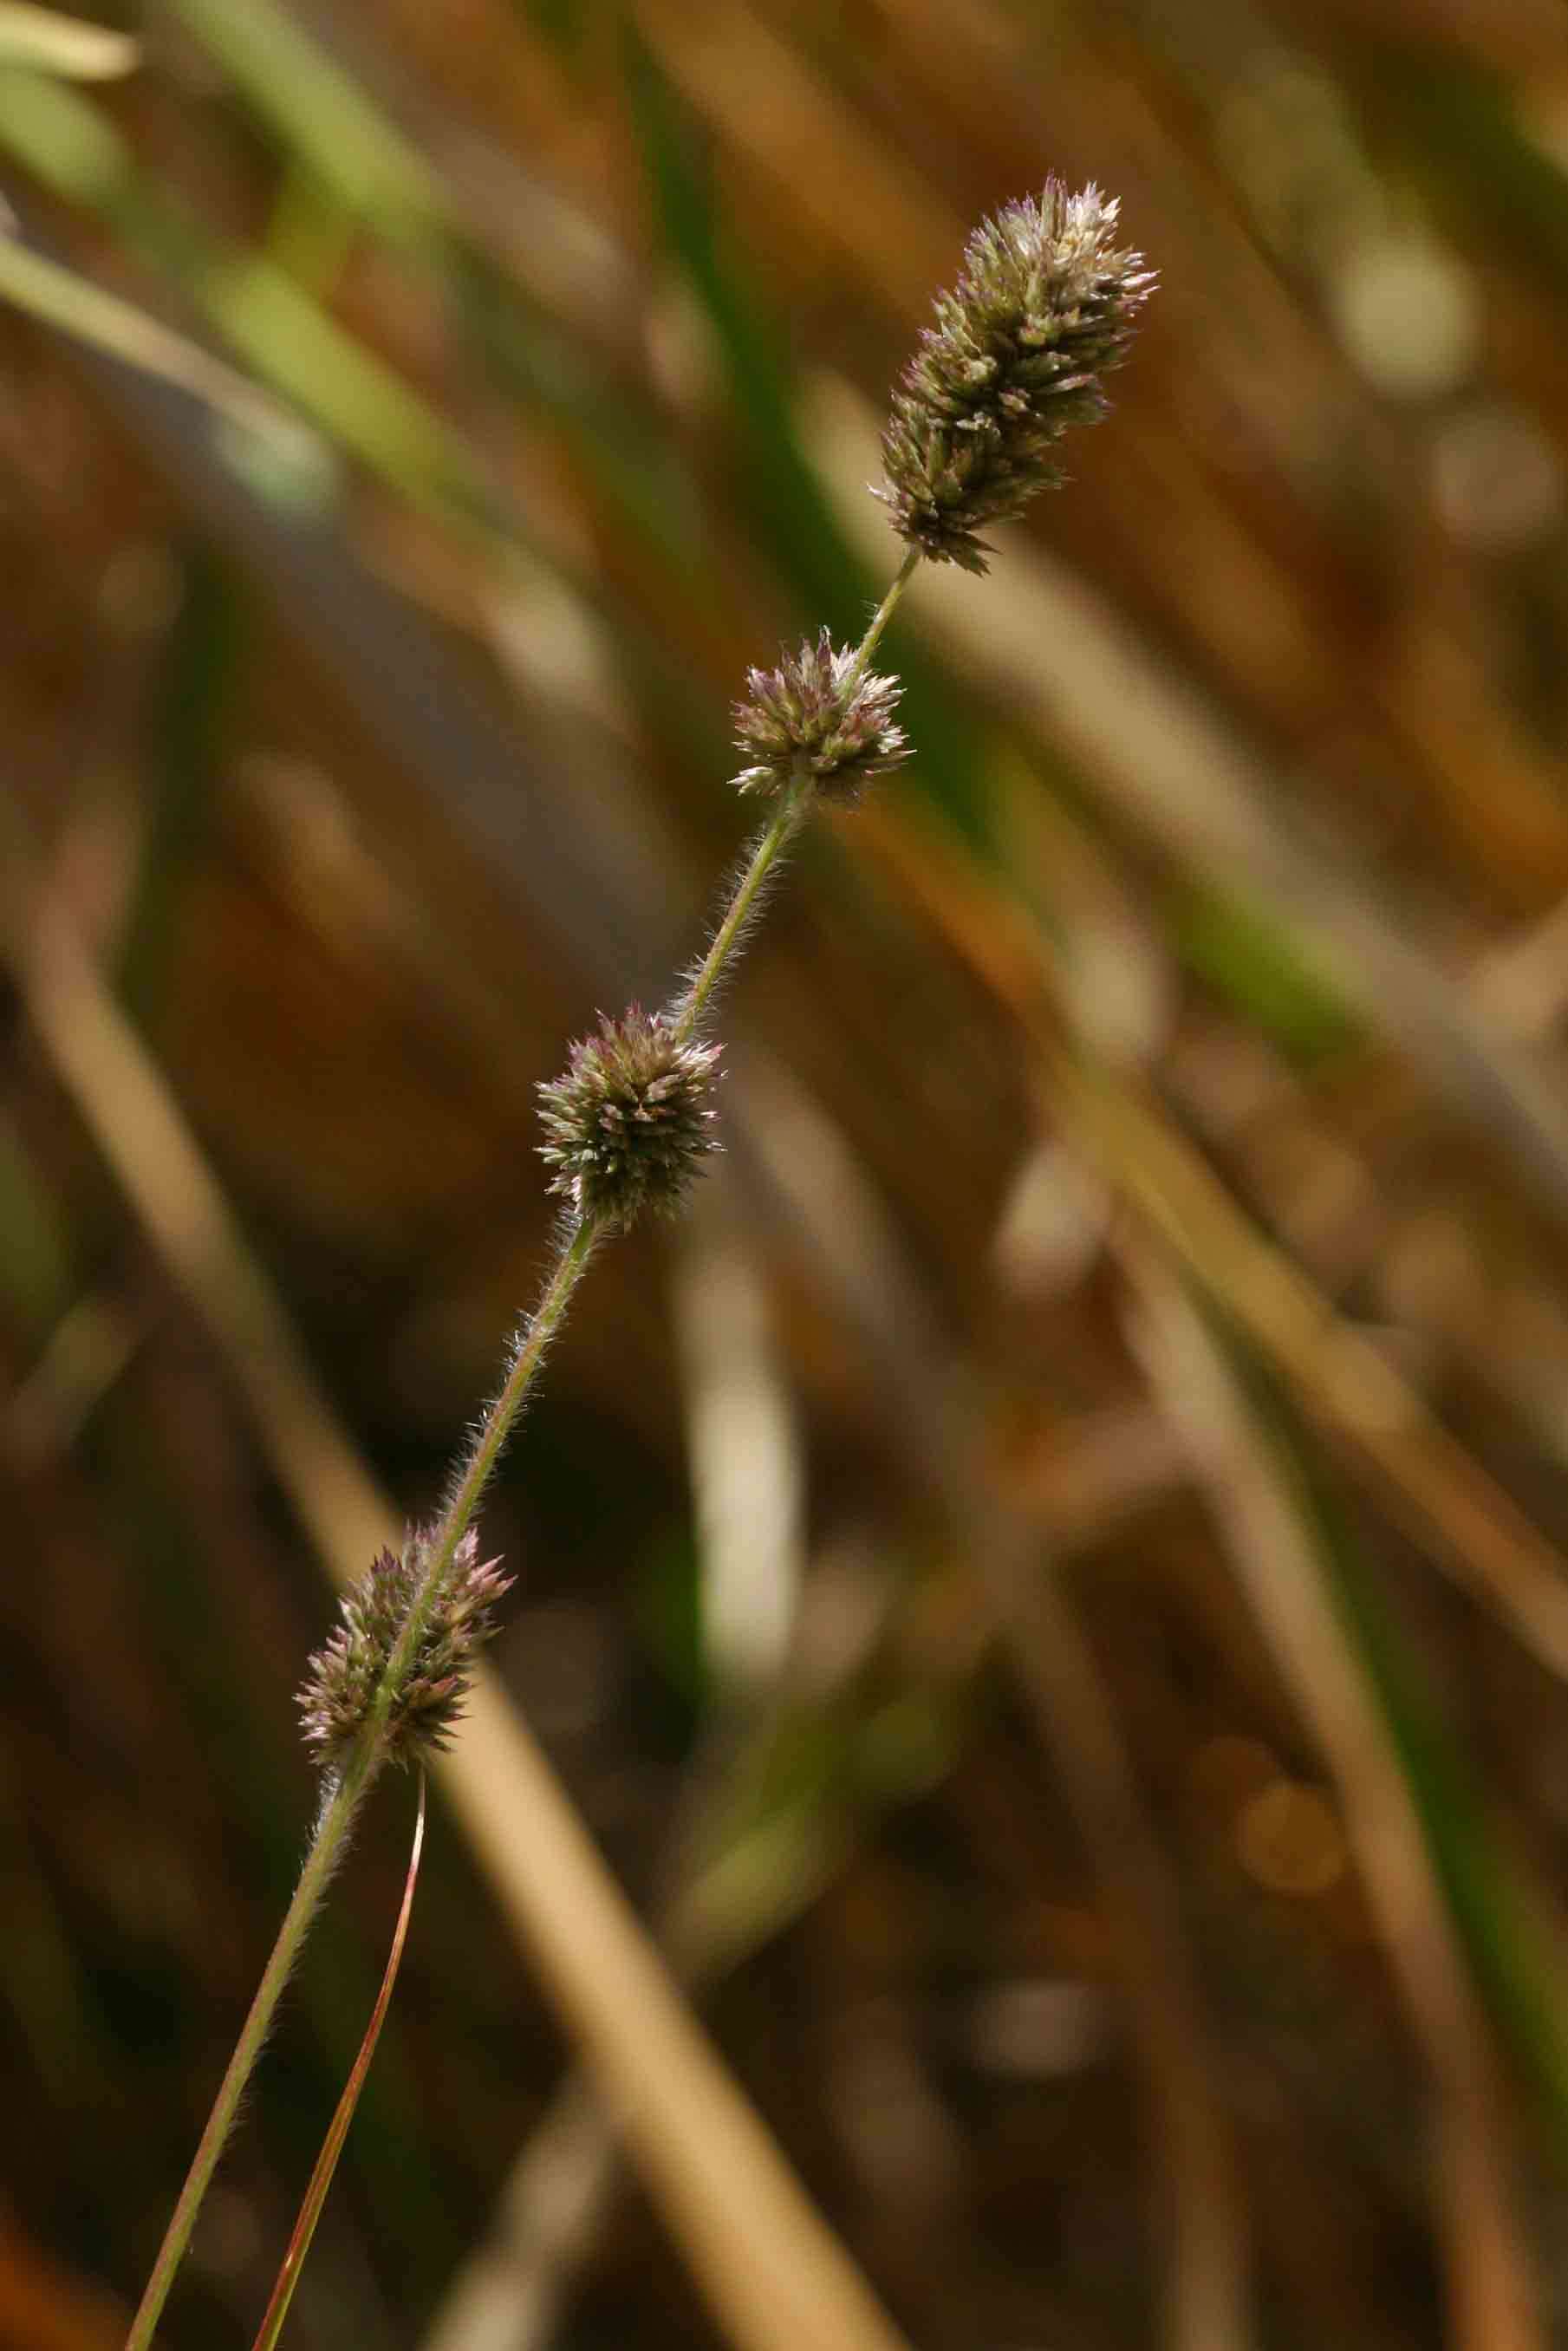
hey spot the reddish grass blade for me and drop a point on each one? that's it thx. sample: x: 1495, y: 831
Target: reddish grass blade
x: 332, y: 2145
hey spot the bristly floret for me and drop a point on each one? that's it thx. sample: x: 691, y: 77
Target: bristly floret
x: 814, y: 717
x: 1046, y: 305
x: 345, y: 1673
x: 628, y: 1119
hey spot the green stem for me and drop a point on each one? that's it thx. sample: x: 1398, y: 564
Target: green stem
x: 571, y: 1261
x: 358, y: 1770
x: 787, y: 819
x: 884, y: 612
x: 368, y: 1750
x: 326, y: 1848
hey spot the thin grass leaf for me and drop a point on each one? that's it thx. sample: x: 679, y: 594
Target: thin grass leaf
x: 1514, y: 1951
x: 1259, y: 1495
x: 60, y: 298
x: 338, y: 2130
x: 319, y: 113
x: 274, y: 325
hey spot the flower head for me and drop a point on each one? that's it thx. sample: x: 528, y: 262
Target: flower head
x: 814, y: 716
x: 345, y: 1673
x: 1045, y: 306
x: 628, y: 1119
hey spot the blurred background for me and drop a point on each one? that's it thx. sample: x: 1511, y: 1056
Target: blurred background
x: 1045, y: 1588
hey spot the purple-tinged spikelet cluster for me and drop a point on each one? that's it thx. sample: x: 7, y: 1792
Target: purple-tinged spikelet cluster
x: 814, y: 717
x: 1047, y: 303
x: 628, y: 1119
x: 346, y: 1672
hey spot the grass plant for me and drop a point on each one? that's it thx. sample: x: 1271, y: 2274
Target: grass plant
x: 1045, y: 308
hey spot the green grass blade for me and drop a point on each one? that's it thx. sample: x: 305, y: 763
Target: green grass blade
x: 320, y: 114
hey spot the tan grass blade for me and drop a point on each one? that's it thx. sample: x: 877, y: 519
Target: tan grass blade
x: 810, y: 1176
x: 123, y: 332
x: 776, y: 2277
x: 1491, y: 2299
x: 46, y: 42
x: 1469, y: 1525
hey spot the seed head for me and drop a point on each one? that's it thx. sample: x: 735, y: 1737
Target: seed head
x: 813, y: 716
x: 346, y: 1672
x: 1045, y: 306
x: 628, y: 1119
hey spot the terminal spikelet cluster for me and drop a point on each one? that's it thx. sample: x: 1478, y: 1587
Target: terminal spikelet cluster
x: 1046, y: 305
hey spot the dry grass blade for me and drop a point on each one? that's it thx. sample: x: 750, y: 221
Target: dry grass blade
x: 1469, y: 1526
x: 508, y: 2295
x: 744, y: 1450
x: 1161, y: 757
x: 1492, y: 2303
x: 1205, y: 2300
x: 326, y: 2164
x: 121, y: 330
x: 776, y: 2277
x: 376, y: 750
x: 1465, y: 1521
x: 725, y: 1905
x: 774, y: 2273
x: 46, y: 42
x: 807, y: 1171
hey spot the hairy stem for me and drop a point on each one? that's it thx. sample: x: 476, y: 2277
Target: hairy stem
x: 473, y: 1473
x: 355, y: 1775
x: 786, y: 822
x: 883, y: 613
x: 327, y: 1844
x: 469, y: 1481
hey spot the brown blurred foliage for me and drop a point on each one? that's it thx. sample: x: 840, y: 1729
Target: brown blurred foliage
x: 1048, y: 1587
